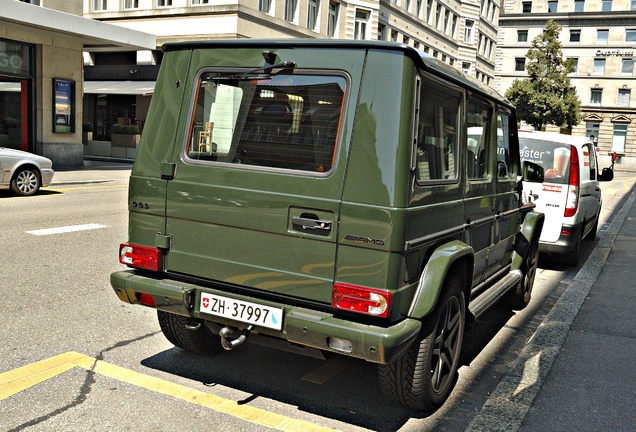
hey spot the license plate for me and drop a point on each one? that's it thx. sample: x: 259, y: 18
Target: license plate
x: 247, y: 312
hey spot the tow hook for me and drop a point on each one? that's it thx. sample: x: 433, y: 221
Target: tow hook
x: 232, y: 344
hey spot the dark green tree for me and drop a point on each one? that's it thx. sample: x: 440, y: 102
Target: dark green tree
x: 547, y: 95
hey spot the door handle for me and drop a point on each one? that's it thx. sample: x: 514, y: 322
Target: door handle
x: 307, y: 223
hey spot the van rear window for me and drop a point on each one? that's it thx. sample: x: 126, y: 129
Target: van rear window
x: 555, y: 159
x: 286, y: 120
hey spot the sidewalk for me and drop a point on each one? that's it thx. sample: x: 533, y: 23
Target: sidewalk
x: 577, y: 372
x: 93, y: 172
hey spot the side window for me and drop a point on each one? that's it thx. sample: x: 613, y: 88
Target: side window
x: 285, y: 121
x: 437, y: 137
x: 506, y: 160
x: 477, y: 122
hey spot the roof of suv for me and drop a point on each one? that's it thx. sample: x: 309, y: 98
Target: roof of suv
x: 425, y: 61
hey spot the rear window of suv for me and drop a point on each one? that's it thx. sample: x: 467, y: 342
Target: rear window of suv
x: 278, y: 120
x: 554, y: 159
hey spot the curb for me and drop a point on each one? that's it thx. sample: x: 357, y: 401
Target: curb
x: 508, y: 405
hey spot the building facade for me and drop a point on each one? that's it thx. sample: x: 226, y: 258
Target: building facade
x: 41, y: 74
x: 600, y: 35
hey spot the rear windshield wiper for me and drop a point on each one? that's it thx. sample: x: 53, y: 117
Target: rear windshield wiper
x: 260, y: 73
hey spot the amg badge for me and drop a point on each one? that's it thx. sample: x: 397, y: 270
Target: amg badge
x: 364, y: 239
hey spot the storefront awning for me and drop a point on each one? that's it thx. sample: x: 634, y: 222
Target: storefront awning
x: 119, y: 87
x: 94, y: 35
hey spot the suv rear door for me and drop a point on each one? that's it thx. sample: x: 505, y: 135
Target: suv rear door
x: 258, y: 179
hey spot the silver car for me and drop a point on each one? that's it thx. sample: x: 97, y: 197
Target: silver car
x: 25, y: 173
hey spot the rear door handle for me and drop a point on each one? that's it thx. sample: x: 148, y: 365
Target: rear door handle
x: 307, y: 223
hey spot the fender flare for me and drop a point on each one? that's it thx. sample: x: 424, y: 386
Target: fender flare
x: 530, y: 231
x: 434, y: 274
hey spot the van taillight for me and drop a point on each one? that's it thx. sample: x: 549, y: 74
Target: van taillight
x: 354, y: 298
x: 141, y: 257
x: 572, y: 202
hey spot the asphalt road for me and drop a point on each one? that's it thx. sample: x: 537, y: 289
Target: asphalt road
x: 74, y: 358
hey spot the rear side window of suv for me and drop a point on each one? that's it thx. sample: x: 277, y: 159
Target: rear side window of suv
x: 281, y: 121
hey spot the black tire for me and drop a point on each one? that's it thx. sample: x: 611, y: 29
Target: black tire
x: 26, y: 182
x: 520, y: 297
x: 200, y: 341
x: 425, y: 375
x: 592, y: 234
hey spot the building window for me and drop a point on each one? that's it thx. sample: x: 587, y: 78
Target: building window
x: 552, y: 6
x: 522, y: 35
x: 381, y: 29
x: 429, y: 10
x: 100, y: 5
x: 579, y: 5
x: 164, y: 3
x: 132, y: 4
x: 624, y: 96
x: 332, y: 20
x: 632, y: 5
x: 312, y: 14
x: 591, y: 131
x: 520, y: 64
x: 575, y: 35
x: 198, y: 2
x: 596, y: 95
x: 630, y: 35
x: 265, y: 6
x: 602, y: 36
x: 526, y: 7
x: 406, y: 40
x: 438, y: 15
x: 360, y: 26
x: 627, y: 68
x: 394, y: 36
x: 468, y: 31
x: 418, y: 6
x: 454, y: 28
x: 575, y: 63
x: 291, y: 7
x: 606, y: 5
x: 466, y: 67
x: 619, y: 138
x: 599, y: 66
x: 447, y: 16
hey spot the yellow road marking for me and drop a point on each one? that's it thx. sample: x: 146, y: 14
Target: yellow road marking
x: 20, y: 379
x: 67, y: 189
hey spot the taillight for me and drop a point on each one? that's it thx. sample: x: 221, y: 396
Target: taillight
x: 572, y: 201
x: 354, y: 298
x: 141, y: 257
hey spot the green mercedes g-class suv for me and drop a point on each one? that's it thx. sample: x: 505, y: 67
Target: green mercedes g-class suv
x: 327, y: 194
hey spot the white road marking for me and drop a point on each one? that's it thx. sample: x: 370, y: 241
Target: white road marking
x: 65, y: 229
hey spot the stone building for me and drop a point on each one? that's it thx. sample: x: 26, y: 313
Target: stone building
x: 600, y: 35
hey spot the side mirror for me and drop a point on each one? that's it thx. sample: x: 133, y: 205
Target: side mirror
x: 533, y: 172
x: 606, y: 175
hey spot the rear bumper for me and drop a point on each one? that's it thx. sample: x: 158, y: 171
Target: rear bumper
x: 301, y: 326
x: 566, y: 242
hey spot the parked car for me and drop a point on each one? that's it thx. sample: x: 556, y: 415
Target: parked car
x: 321, y: 195
x: 570, y: 195
x: 24, y: 173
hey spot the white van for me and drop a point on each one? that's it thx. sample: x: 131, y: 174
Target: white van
x: 570, y: 196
